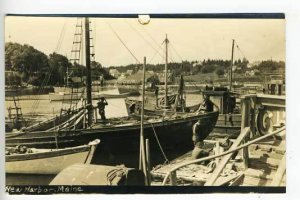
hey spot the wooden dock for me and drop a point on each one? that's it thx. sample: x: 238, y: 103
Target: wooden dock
x: 255, y: 158
x: 264, y: 161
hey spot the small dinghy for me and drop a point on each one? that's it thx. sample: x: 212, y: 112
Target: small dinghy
x: 22, y: 160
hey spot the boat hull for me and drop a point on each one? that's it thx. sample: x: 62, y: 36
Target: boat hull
x: 117, y: 142
x: 78, y: 90
x: 49, y: 161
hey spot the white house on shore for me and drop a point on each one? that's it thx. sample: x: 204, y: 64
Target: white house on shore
x: 114, y: 72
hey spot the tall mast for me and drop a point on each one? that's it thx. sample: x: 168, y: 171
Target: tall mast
x: 166, y: 74
x: 143, y: 162
x: 88, y: 71
x: 230, y: 74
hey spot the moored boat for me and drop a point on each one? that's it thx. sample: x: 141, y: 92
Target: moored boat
x: 47, y: 161
x: 119, y: 137
x: 65, y: 96
x: 229, y: 121
x: 172, y: 131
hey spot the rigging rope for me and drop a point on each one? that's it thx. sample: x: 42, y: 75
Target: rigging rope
x: 138, y: 33
x: 49, y: 72
x: 172, y: 46
x: 237, y: 46
x: 41, y: 90
x: 131, y: 53
x: 61, y: 37
x: 158, y: 45
x: 155, y: 55
x: 161, y: 149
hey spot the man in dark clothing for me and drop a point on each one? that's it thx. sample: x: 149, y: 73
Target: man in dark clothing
x: 101, y: 106
x: 198, y: 138
x: 198, y: 135
x: 207, y: 105
x: 156, y: 95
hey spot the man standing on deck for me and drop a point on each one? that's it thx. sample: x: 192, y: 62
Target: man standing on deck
x: 207, y: 105
x: 198, y: 134
x: 198, y: 138
x: 101, y: 106
x: 156, y: 95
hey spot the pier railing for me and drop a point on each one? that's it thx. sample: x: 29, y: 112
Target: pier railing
x: 226, y: 156
x: 251, y: 105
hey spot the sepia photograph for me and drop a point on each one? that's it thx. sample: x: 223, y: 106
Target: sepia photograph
x: 150, y: 103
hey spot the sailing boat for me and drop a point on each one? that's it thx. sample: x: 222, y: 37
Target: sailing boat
x: 119, y: 136
x: 74, y: 89
x: 163, y: 104
x: 229, y: 120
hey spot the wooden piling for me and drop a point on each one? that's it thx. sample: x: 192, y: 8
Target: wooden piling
x: 173, y: 178
x: 96, y: 117
x: 217, y: 151
x: 279, y: 173
x: 212, y: 179
x: 143, y: 162
x: 148, y: 160
x: 245, y: 123
x: 252, y: 116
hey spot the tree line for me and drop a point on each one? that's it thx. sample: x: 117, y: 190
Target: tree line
x: 217, y: 66
x: 31, y: 66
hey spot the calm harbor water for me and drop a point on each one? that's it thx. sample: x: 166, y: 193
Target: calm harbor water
x: 44, y: 109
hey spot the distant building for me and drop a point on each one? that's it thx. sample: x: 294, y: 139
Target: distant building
x: 256, y: 63
x: 151, y: 72
x: 114, y: 72
x: 251, y: 72
x: 234, y: 68
x: 195, y: 64
x: 122, y: 77
x: 76, y: 79
x: 129, y: 72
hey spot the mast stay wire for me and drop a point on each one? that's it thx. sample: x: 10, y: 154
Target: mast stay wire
x: 124, y: 44
x: 45, y: 81
x: 155, y: 54
x: 50, y: 70
x: 176, y: 52
x: 242, y: 52
x: 152, y: 38
x: 237, y: 46
x: 61, y: 38
x: 157, y: 51
x: 158, y: 45
x: 131, y: 53
x: 138, y: 33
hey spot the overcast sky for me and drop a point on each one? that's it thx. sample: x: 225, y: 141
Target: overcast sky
x: 190, y: 39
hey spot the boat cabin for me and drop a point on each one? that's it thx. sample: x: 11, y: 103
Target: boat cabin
x: 274, y: 85
x: 223, y: 98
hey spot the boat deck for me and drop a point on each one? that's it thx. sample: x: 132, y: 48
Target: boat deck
x: 264, y: 159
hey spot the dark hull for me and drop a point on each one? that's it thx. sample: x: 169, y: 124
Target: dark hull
x: 120, y: 144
